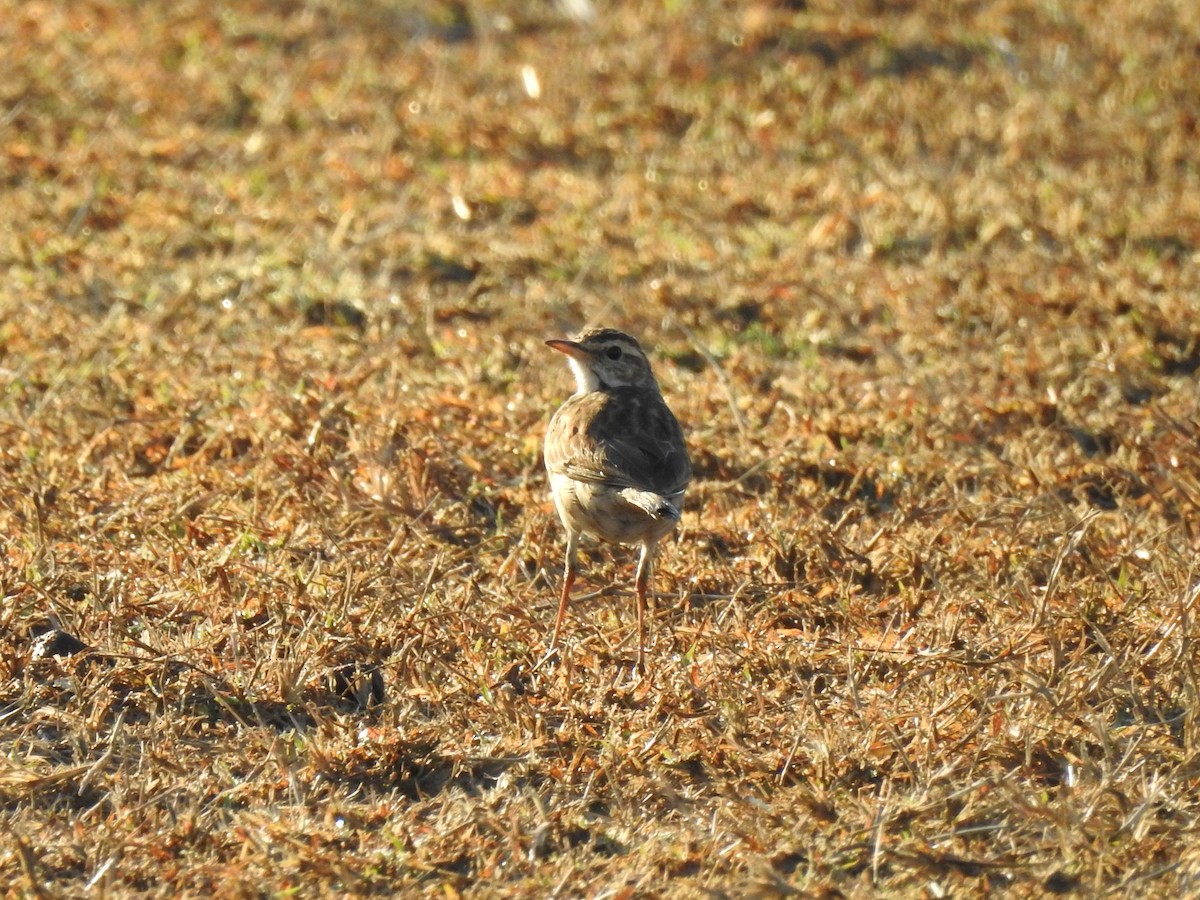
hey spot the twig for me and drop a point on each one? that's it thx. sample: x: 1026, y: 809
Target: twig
x: 722, y: 377
x: 104, y: 757
x: 1069, y: 546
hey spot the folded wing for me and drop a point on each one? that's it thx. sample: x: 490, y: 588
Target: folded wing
x: 645, y: 455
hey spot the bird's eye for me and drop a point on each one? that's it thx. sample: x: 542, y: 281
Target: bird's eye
x: 613, y: 353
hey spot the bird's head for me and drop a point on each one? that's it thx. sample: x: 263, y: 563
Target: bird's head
x: 604, y: 358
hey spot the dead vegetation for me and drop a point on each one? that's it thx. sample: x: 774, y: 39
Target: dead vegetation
x: 279, y: 558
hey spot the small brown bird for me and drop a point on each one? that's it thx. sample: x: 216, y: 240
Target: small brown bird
x: 616, y: 457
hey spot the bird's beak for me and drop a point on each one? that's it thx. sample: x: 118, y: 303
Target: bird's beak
x: 571, y: 348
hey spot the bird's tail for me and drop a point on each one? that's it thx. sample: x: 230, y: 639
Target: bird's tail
x: 656, y: 505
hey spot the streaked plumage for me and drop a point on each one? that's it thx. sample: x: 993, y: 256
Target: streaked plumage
x: 616, y: 457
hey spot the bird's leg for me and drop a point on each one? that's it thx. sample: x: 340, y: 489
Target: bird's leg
x: 568, y: 580
x: 644, y: 576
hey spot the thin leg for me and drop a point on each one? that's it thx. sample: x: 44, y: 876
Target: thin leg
x: 568, y: 580
x: 644, y: 576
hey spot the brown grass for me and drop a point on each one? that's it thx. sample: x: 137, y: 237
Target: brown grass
x: 278, y: 555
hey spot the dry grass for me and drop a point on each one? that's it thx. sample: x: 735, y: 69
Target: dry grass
x: 279, y: 558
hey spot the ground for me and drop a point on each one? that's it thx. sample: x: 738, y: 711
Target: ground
x: 279, y: 559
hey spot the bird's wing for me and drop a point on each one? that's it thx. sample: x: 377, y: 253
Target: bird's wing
x: 620, y: 439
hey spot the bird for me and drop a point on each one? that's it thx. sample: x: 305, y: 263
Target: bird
x: 616, y: 458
